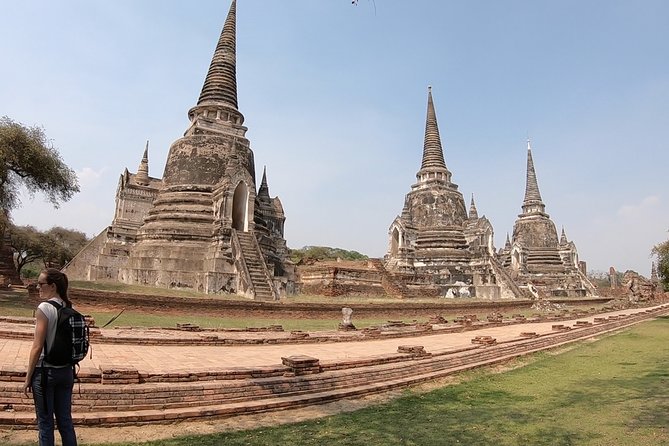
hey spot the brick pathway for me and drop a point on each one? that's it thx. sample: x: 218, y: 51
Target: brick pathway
x: 167, y: 359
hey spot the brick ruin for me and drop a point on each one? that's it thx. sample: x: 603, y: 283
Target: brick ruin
x: 202, y: 225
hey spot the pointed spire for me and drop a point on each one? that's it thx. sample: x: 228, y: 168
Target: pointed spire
x: 220, y: 85
x: 263, y: 191
x: 473, y: 213
x: 532, y: 201
x: 433, y: 154
x: 142, y: 176
x: 563, y: 238
x: 216, y: 111
x: 507, y: 245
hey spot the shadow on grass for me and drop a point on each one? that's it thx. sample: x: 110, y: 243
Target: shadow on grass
x: 644, y: 396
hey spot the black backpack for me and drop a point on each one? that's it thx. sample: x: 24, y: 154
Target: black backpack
x: 71, y: 342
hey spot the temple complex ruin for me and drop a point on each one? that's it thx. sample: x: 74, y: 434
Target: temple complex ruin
x: 201, y: 226
x: 205, y: 226
x: 438, y: 248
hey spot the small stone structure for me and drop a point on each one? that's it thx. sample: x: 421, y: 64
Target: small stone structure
x: 299, y: 365
x: 638, y: 288
x: 346, y: 323
x: 613, y: 278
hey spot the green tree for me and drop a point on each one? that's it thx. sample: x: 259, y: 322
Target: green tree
x: 28, y: 244
x: 319, y: 253
x: 71, y: 241
x: 53, y: 248
x: 27, y: 160
x: 661, y: 251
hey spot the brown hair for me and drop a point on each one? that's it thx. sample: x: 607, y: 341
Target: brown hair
x: 58, y: 278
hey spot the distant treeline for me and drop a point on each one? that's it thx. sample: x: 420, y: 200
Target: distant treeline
x: 313, y: 253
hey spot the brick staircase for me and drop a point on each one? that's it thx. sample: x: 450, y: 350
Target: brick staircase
x: 391, y: 284
x: 505, y: 280
x: 255, y: 264
x: 233, y: 392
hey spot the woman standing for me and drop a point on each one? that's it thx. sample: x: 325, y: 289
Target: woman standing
x: 51, y: 386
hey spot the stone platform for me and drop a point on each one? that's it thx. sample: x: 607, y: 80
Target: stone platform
x: 140, y: 376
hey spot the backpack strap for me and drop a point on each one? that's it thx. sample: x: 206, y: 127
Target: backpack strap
x: 55, y: 304
x: 43, y: 377
x: 58, y: 307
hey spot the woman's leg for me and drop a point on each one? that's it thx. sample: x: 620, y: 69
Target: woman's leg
x: 64, y: 381
x: 43, y: 396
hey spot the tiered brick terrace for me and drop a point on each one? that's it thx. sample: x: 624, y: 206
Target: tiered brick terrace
x: 140, y: 376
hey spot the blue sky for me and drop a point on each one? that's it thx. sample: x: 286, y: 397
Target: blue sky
x: 334, y: 96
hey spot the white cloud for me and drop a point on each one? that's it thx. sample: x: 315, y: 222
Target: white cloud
x: 89, y: 177
x: 641, y: 208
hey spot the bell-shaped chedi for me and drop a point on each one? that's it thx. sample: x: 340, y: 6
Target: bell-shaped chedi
x: 534, y: 228
x: 435, y: 236
x: 535, y: 256
x: 199, y: 230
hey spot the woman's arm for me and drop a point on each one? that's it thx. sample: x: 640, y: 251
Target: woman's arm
x: 41, y: 325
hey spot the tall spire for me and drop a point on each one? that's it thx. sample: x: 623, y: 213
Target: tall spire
x: 433, y: 167
x: 473, y: 213
x: 433, y: 154
x: 563, y: 238
x: 507, y: 244
x: 263, y: 191
x: 216, y: 111
x: 532, y: 201
x: 142, y: 176
x: 220, y: 85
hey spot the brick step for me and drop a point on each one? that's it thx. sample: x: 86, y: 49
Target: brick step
x: 100, y: 397
x: 253, y: 406
x: 161, y: 397
x: 305, y: 389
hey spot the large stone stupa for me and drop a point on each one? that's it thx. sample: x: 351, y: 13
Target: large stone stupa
x: 202, y: 226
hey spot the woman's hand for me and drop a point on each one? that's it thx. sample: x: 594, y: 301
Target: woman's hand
x: 27, y: 385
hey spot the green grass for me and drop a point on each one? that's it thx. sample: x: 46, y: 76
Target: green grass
x: 611, y: 392
x: 16, y: 304
x: 136, y: 319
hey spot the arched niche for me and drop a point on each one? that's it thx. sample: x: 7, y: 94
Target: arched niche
x: 395, y: 241
x: 240, y: 208
x: 515, y: 260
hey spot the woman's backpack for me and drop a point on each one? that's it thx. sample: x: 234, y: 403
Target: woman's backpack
x: 72, y: 338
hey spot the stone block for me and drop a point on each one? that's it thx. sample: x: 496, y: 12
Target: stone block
x: 301, y: 365
x: 484, y: 340
x: 417, y: 350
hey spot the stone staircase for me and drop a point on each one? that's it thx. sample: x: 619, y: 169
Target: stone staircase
x: 285, y: 386
x: 255, y: 265
x: 392, y: 285
x: 505, y: 280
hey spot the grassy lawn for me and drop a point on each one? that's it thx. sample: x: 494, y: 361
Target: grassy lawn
x: 611, y: 392
x: 15, y: 304
x: 135, y: 319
